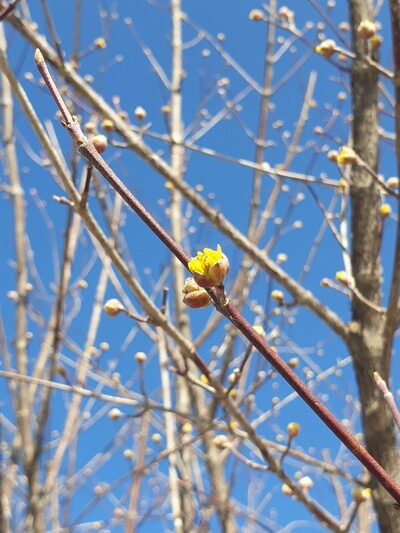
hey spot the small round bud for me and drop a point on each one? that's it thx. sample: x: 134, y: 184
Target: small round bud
x: 376, y: 41
x: 293, y: 363
x: 221, y: 442
x: 187, y: 427
x: 13, y: 296
x: 293, y: 429
x: 166, y: 110
x: 140, y: 113
x: 332, y: 155
x: 115, y: 413
x: 306, y: 482
x: 107, y: 125
x: 128, y: 454
x: 385, y: 210
x: 346, y: 156
x: 326, y: 48
x: 256, y: 14
x: 366, y: 29
x: 344, y: 26
x: 281, y: 258
x: 156, y: 438
x: 104, y: 346
x: 113, y: 307
x: 277, y: 296
x: 90, y: 127
x: 100, y: 43
x: 343, y: 278
x: 118, y: 512
x: 361, y: 495
x: 140, y: 357
x: 28, y: 287
x: 392, y: 183
x: 100, y: 143
x: 82, y: 284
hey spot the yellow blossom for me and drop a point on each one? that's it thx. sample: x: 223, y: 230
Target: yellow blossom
x: 385, y: 210
x: 209, y: 268
x: 346, y: 156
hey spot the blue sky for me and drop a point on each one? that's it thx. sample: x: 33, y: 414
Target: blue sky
x: 122, y: 69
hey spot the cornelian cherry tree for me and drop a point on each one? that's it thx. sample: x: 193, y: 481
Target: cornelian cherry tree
x: 200, y: 231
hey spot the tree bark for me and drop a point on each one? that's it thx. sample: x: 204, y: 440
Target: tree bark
x: 367, y: 329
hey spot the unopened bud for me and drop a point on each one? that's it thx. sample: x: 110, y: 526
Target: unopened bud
x: 140, y: 357
x: 306, y: 482
x: 113, y: 307
x: 277, y: 296
x: 293, y: 429
x: 385, y: 210
x: 326, y: 48
x: 343, y: 278
x: 256, y: 14
x: 347, y: 156
x: 140, y: 113
x: 221, y: 442
x: 115, y: 413
x: 361, y: 495
x: 366, y: 29
x: 100, y: 42
x: 107, y: 124
x: 100, y: 143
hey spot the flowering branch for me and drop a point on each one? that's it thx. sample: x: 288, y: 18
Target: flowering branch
x: 87, y: 149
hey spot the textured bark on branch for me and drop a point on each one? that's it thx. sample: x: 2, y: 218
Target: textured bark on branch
x: 367, y: 329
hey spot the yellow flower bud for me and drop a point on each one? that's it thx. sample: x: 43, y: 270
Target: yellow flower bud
x: 107, y: 124
x: 100, y: 42
x: 361, y: 495
x: 343, y: 278
x: 293, y: 429
x: 293, y: 363
x: 385, y: 210
x: 346, y: 156
x: 277, y: 296
x: 326, y: 48
x: 156, y: 438
x: 376, y: 41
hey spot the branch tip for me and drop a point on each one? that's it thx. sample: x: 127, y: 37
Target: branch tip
x: 38, y: 56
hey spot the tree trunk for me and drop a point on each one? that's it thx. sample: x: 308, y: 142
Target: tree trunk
x: 367, y: 329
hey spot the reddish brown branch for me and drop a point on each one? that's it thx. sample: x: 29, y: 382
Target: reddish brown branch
x: 87, y: 149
